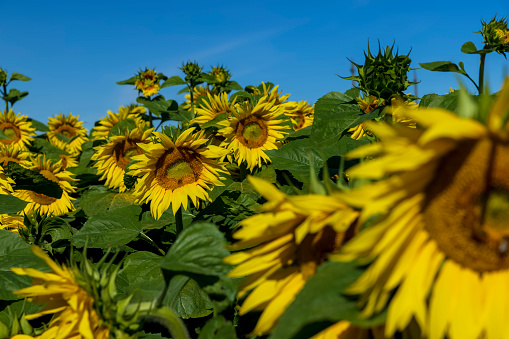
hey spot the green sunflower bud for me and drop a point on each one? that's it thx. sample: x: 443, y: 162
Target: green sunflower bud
x: 496, y: 35
x: 191, y: 69
x: 221, y: 74
x: 3, y: 77
x: 384, y: 75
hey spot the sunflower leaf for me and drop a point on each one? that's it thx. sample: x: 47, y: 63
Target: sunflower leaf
x: 129, y: 81
x: 321, y: 304
x: 122, y: 127
x: 30, y: 180
x: 442, y: 66
x: 11, y: 204
x: 173, y: 81
x: 19, y: 76
x: 98, y: 199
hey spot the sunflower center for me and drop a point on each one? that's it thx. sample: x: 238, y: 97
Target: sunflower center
x: 12, y: 133
x: 123, y: 152
x: 66, y: 130
x: 178, y: 167
x: 41, y: 199
x: 300, y: 119
x: 467, y: 211
x: 252, y: 132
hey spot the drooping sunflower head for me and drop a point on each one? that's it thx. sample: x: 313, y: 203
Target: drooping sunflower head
x: 197, y: 92
x: 112, y: 158
x: 211, y: 108
x: 47, y: 204
x: 147, y: 82
x: 282, y: 247
x: 67, y: 133
x: 14, y: 154
x: 250, y: 131
x: 106, y: 123
x: 438, y: 249
x: 18, y: 129
x: 301, y: 114
x: 174, y: 171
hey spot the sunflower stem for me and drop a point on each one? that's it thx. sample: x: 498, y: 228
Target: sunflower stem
x: 150, y: 241
x: 150, y: 118
x: 481, y: 74
x: 179, y: 221
x: 6, y: 102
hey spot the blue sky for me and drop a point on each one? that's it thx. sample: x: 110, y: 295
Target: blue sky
x: 76, y: 51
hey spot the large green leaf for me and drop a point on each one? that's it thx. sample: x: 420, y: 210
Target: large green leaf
x: 31, y: 180
x: 158, y: 105
x: 187, y: 298
x: 43, y: 146
x: 321, y: 304
x: 199, y: 249
x: 19, y: 76
x: 447, y: 101
x: 114, y: 227
x: 121, y: 127
x: 173, y: 81
x: 218, y: 328
x: 39, y: 126
x: 443, y: 66
x: 99, y: 199
x: 129, y: 81
x: 11, y: 204
x: 15, y: 252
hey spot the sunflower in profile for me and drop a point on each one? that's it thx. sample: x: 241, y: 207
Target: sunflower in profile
x: 282, y: 247
x: 14, y: 154
x: 174, y: 171
x: 249, y: 131
x: 112, y: 158
x: 438, y: 250
x: 197, y: 92
x: 367, y: 106
x: 70, y: 130
x: 11, y: 223
x: 301, y: 114
x: 44, y: 203
x: 211, y: 108
x: 111, y: 119
x: 72, y: 307
x: 18, y: 129
x: 67, y: 161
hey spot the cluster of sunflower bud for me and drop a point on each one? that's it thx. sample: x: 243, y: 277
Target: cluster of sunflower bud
x: 385, y: 75
x: 496, y: 35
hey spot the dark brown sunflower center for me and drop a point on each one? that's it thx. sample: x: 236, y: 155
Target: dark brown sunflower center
x: 123, y: 152
x: 66, y: 130
x: 300, y: 119
x: 178, y: 167
x: 467, y: 211
x: 11, y: 132
x: 252, y: 132
x: 41, y: 199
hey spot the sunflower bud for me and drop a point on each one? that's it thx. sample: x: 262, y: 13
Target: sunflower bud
x: 384, y: 76
x: 191, y: 69
x: 221, y: 74
x: 147, y: 82
x: 3, y: 77
x: 496, y: 35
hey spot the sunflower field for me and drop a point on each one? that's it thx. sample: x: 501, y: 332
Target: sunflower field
x: 239, y: 213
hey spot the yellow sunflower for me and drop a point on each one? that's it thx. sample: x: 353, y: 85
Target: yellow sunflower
x: 438, y: 250
x: 11, y: 223
x: 72, y: 307
x: 112, y: 158
x: 14, y: 154
x: 301, y: 114
x: 106, y: 123
x: 147, y: 82
x: 69, y: 127
x: 274, y: 96
x: 67, y: 161
x: 44, y: 203
x: 210, y: 109
x: 5, y: 182
x: 198, y: 91
x: 282, y: 247
x: 367, y: 106
x: 250, y: 131
x: 345, y: 330
x: 18, y: 129
x: 173, y: 171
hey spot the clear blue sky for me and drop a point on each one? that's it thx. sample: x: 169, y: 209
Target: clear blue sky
x: 76, y: 52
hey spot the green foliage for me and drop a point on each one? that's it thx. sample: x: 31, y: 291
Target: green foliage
x: 158, y: 105
x: 122, y: 127
x: 99, y: 199
x: 11, y: 204
x: 30, y: 180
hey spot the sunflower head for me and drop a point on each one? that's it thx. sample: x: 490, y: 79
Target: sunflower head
x: 147, y: 82
x: 496, y: 34
x: 220, y: 74
x: 14, y: 154
x: 282, y: 247
x: 67, y: 133
x: 18, y: 130
x: 106, y: 123
x: 198, y: 91
x: 301, y: 114
x: 211, y: 108
x: 275, y: 95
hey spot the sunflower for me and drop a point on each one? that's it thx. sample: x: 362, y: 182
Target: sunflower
x: 345, y: 330
x: 67, y: 128
x: 67, y: 161
x: 282, y: 247
x: 14, y: 154
x: 18, y: 129
x: 210, y: 109
x: 147, y: 82
x: 106, y: 123
x: 112, y: 158
x: 438, y: 250
x: 44, y: 203
x: 11, y: 223
x: 197, y: 92
x: 72, y: 307
x: 5, y: 183
x: 367, y: 106
x: 274, y: 96
x: 173, y: 171
x: 301, y: 114
x: 250, y: 131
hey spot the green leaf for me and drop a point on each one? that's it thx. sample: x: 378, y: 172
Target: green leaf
x: 39, y: 126
x: 30, y: 180
x: 115, y: 227
x: 99, y: 199
x: 129, y: 81
x: 167, y: 218
x: 218, y: 328
x: 234, y: 85
x: 181, y: 115
x: 18, y: 76
x: 214, y: 122
x: 158, y: 104
x: 199, y: 249
x: 15, y: 252
x: 43, y: 146
x: 121, y: 127
x: 11, y: 204
x: 187, y: 298
x: 448, y: 101
x: 469, y: 48
x: 173, y: 81
x: 442, y: 66
x: 14, y: 95
x: 321, y: 304
x: 17, y: 308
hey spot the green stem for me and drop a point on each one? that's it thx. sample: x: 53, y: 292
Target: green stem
x: 179, y: 221
x: 6, y: 102
x: 150, y: 241
x: 150, y: 118
x: 481, y: 74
